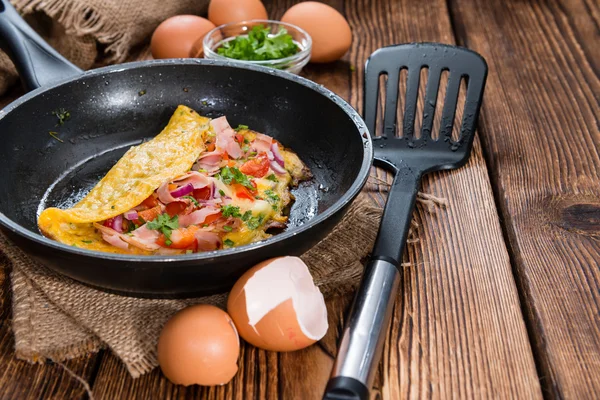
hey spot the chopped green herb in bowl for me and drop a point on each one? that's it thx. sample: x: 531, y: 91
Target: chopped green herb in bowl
x: 260, y: 42
x: 260, y: 45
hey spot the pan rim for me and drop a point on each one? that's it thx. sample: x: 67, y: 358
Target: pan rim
x: 343, y: 201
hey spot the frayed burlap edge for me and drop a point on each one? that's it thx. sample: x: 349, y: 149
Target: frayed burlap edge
x: 80, y: 19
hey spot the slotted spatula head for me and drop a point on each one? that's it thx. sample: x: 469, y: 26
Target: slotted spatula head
x: 423, y: 152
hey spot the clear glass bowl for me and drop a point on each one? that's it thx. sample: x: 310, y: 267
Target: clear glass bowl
x: 294, y: 64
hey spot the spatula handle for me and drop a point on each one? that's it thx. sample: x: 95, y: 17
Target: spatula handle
x: 362, y: 342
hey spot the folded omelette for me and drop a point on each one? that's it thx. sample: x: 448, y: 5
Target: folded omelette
x: 199, y: 185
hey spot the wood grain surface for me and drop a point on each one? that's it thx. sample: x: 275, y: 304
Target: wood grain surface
x: 458, y: 329
x: 542, y: 139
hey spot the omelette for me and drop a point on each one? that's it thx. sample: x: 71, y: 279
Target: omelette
x: 199, y: 185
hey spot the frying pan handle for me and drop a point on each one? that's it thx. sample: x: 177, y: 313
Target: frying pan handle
x: 38, y: 63
x: 362, y: 341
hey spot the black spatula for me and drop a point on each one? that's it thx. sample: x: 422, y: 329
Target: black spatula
x: 410, y: 157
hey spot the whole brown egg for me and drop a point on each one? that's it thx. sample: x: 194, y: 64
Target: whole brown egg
x: 226, y: 11
x: 199, y: 345
x: 175, y: 37
x: 329, y: 30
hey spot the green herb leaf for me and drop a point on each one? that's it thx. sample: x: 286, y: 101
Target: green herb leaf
x: 164, y: 224
x: 55, y: 136
x: 227, y: 175
x: 273, y: 178
x: 246, y: 215
x: 192, y: 199
x: 260, y: 44
x: 88, y: 241
x: 255, y: 222
x: 273, y: 198
x: 221, y: 192
x: 229, y: 242
x: 231, y: 211
x: 62, y: 115
x: 241, y: 127
x: 168, y: 242
x: 227, y: 228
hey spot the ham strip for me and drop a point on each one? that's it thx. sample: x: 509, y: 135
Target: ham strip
x: 197, y: 217
x: 225, y: 138
x: 142, y: 237
x: 208, y: 241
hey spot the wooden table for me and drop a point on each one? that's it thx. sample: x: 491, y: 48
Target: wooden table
x: 502, y: 298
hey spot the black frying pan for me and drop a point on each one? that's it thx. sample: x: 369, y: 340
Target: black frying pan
x: 115, y: 107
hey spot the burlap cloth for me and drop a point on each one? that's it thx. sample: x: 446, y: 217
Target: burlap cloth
x: 57, y: 318
x: 95, y: 32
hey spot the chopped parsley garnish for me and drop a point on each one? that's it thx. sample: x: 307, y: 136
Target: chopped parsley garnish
x: 221, y: 192
x: 241, y: 127
x: 246, y: 215
x: 255, y: 222
x: 228, y: 174
x: 245, y: 148
x: 273, y: 178
x: 164, y: 224
x: 246, y: 141
x: 227, y: 228
x: 88, y: 241
x: 62, y: 115
x: 192, y: 199
x: 273, y: 198
x: 229, y: 242
x: 231, y: 211
x: 55, y: 136
x: 260, y: 44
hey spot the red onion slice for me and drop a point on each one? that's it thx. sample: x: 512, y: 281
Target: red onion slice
x: 183, y: 190
x: 131, y: 215
x: 277, y: 168
x: 117, y: 224
x: 277, y: 155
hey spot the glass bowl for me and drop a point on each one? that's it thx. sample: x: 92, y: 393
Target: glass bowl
x: 221, y: 34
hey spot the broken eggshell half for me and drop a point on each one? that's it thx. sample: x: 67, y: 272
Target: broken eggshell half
x: 276, y: 306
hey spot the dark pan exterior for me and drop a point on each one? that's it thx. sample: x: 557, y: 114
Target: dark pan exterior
x: 116, y: 107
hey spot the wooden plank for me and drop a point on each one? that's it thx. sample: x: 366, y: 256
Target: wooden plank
x: 457, y: 330
x: 540, y: 129
x: 21, y: 380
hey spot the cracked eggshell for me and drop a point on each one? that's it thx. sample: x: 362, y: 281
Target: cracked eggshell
x: 276, y: 306
x: 199, y: 345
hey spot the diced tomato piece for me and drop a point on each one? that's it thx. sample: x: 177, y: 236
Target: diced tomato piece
x: 257, y: 167
x: 225, y: 156
x: 150, y: 202
x: 242, y: 192
x: 212, y: 218
x: 109, y: 222
x: 231, y: 163
x: 202, y: 194
x: 150, y: 214
x: 175, y: 208
x: 181, y: 238
x: 211, y: 147
x: 239, y: 138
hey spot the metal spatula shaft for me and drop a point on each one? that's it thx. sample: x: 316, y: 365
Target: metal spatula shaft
x: 409, y: 157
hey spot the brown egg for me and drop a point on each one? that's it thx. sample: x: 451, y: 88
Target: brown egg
x: 175, y: 36
x: 199, y: 345
x: 276, y: 306
x: 225, y: 11
x: 329, y: 30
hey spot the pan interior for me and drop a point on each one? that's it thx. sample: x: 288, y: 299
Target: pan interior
x: 45, y: 163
